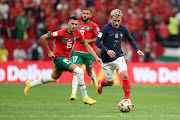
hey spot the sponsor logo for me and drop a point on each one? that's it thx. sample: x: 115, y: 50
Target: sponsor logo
x: 162, y: 75
x: 32, y: 72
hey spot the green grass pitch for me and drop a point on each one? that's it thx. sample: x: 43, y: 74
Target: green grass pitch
x: 51, y: 102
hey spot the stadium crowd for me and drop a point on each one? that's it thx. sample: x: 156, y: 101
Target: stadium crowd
x: 147, y: 20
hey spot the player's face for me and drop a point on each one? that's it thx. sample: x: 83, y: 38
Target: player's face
x: 116, y: 21
x: 86, y: 15
x: 72, y: 25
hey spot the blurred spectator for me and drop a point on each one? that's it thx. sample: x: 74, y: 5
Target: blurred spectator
x: 3, y: 26
x: 4, y: 9
x: 3, y: 53
x: 35, y: 52
x: 31, y: 28
x: 148, y: 27
x: 19, y: 54
x: 22, y: 25
x: 11, y: 27
x: 62, y: 5
x: 52, y: 22
x: 78, y: 10
x: 162, y: 32
x: 41, y: 28
x: 173, y: 27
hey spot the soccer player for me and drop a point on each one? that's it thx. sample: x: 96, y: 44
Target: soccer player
x: 64, y: 40
x: 90, y: 31
x: 109, y: 41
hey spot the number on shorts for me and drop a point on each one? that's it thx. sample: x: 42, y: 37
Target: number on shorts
x: 66, y: 61
x: 75, y: 59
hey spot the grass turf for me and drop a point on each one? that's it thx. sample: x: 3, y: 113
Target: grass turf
x: 51, y: 102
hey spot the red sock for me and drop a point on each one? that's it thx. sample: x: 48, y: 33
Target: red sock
x: 126, y: 88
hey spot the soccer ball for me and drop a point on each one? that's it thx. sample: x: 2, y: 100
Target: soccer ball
x: 125, y: 106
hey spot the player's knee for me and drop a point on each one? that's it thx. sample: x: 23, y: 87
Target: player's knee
x: 125, y: 76
x: 80, y: 72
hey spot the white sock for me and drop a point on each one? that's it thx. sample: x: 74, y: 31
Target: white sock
x: 43, y: 80
x: 93, y: 78
x: 74, y: 84
x: 80, y: 77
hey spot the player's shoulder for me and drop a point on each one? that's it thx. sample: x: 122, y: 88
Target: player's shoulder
x: 107, y: 26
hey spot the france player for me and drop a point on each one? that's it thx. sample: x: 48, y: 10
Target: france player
x: 109, y: 41
x: 64, y: 41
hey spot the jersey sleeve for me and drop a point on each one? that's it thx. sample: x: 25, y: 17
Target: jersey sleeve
x: 81, y: 38
x: 96, y: 30
x: 101, y: 36
x: 131, y: 39
x: 54, y: 35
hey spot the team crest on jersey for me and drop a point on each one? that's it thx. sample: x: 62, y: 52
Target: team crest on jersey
x: 116, y: 35
x: 121, y: 35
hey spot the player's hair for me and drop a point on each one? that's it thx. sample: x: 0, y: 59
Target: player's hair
x: 72, y: 18
x: 88, y: 9
x: 116, y: 13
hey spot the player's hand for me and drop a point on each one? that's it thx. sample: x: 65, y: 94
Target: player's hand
x: 99, y: 61
x: 51, y: 54
x: 140, y: 53
x: 111, y: 53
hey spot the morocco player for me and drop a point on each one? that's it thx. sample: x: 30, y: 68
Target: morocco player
x: 109, y: 41
x: 90, y: 31
x: 64, y: 40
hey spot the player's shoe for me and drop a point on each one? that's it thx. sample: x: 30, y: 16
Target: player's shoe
x: 99, y: 87
x: 73, y: 97
x: 89, y: 101
x: 27, y: 87
x: 95, y: 87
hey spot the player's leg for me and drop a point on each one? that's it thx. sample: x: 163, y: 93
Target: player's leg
x: 109, y: 72
x: 88, y: 61
x: 122, y: 70
x: 78, y: 61
x: 74, y: 86
x: 43, y: 80
x: 93, y: 78
x: 80, y: 76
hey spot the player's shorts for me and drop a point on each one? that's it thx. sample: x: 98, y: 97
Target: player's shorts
x: 111, y: 68
x: 80, y: 58
x: 62, y: 63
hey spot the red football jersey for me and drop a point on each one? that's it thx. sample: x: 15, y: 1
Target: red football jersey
x: 64, y: 42
x: 89, y: 31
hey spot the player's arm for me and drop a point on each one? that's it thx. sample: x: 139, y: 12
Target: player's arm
x: 91, y: 51
x: 100, y: 38
x: 133, y: 43
x: 90, y: 40
x: 45, y: 43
